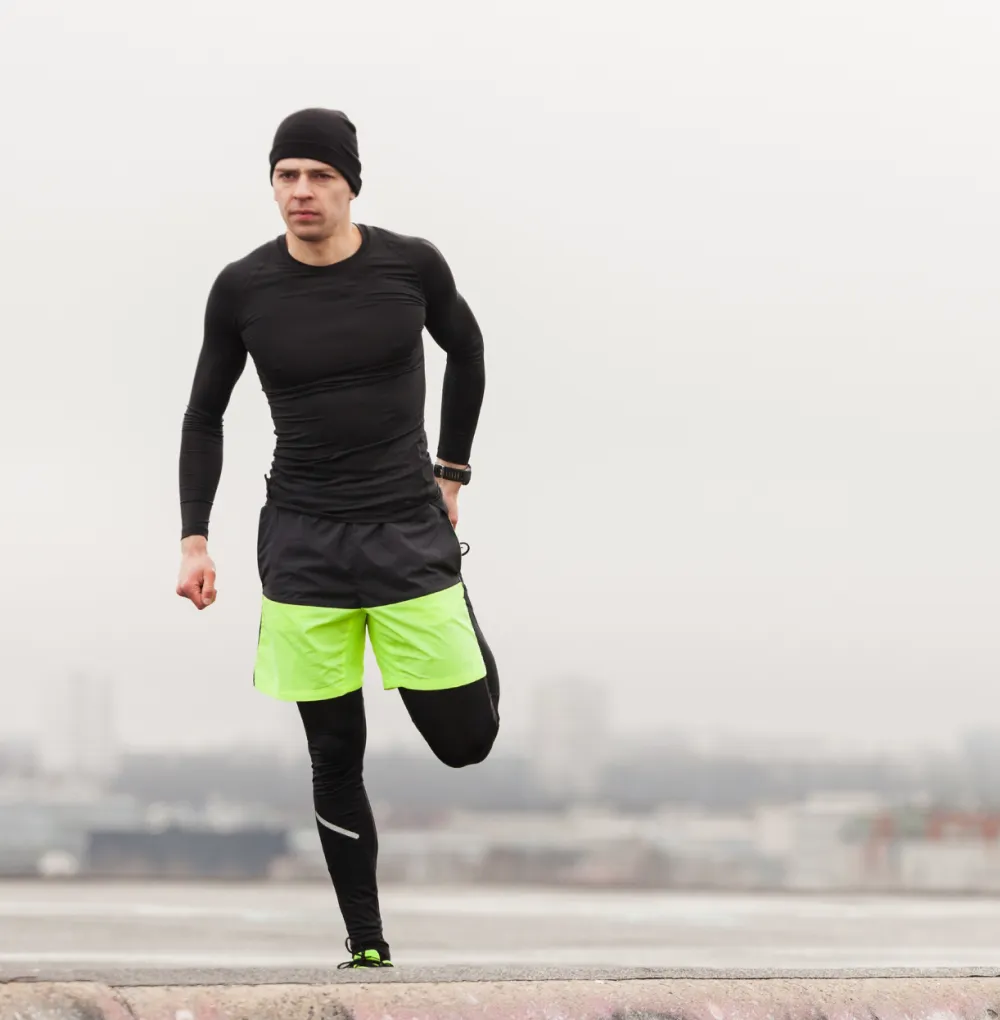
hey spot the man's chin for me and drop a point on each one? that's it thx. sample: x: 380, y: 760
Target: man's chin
x: 307, y: 231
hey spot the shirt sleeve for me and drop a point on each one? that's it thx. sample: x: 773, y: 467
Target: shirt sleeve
x: 453, y: 327
x: 221, y: 361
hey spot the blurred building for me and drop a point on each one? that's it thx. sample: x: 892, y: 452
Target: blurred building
x: 79, y: 738
x: 571, y: 730
x: 187, y: 852
x: 926, y: 849
x: 18, y: 758
x: 980, y: 751
x: 44, y: 823
x: 821, y: 854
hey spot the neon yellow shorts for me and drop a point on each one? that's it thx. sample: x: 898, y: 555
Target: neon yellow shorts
x: 309, y: 653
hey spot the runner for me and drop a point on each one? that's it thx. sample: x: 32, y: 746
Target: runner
x: 357, y: 531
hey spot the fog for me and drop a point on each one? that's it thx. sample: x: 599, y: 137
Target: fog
x: 735, y: 267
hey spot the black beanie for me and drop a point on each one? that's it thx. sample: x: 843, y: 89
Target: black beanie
x: 324, y: 135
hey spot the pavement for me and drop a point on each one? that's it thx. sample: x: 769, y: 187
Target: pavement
x: 188, y: 926
x: 188, y: 951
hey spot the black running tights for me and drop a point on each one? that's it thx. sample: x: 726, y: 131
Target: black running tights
x: 459, y: 724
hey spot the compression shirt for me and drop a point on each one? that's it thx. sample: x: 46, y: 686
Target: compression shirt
x: 339, y: 354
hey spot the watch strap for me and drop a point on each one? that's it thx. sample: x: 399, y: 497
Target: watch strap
x: 451, y: 474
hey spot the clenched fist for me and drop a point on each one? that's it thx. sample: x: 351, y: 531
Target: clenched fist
x: 197, y: 575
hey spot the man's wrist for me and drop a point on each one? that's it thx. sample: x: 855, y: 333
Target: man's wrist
x: 194, y: 544
x: 449, y: 471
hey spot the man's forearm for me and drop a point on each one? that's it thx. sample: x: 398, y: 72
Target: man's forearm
x: 200, y: 468
x: 461, y: 402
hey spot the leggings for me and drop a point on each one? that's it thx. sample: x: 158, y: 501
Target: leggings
x: 459, y: 725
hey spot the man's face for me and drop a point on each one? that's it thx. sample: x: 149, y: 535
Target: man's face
x: 313, y: 197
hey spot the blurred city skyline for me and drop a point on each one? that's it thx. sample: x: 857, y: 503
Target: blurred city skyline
x: 569, y: 734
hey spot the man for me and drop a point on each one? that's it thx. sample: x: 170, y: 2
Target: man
x: 357, y: 532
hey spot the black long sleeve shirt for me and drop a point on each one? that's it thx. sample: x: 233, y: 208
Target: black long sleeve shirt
x: 339, y: 353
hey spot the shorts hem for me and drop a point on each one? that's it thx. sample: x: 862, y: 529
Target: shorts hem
x: 391, y: 683
x: 312, y: 694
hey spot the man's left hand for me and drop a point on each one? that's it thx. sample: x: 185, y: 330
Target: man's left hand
x: 450, y: 491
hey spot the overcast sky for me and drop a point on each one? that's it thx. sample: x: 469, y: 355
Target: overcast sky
x: 736, y: 266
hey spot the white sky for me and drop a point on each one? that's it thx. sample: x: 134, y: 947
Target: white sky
x: 736, y: 265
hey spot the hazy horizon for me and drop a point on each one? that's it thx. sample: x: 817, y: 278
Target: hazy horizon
x: 736, y: 272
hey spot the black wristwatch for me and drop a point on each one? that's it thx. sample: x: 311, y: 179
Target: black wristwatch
x: 452, y: 474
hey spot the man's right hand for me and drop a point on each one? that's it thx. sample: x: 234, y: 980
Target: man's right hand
x: 197, y: 576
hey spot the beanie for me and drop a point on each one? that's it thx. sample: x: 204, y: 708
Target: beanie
x: 324, y: 135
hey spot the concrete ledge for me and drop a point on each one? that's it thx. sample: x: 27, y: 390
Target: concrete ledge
x: 158, y: 976
x: 601, y: 995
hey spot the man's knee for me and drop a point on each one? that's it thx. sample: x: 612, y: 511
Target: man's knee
x: 459, y: 724
x: 334, y: 749
x: 337, y: 760
x: 460, y: 750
